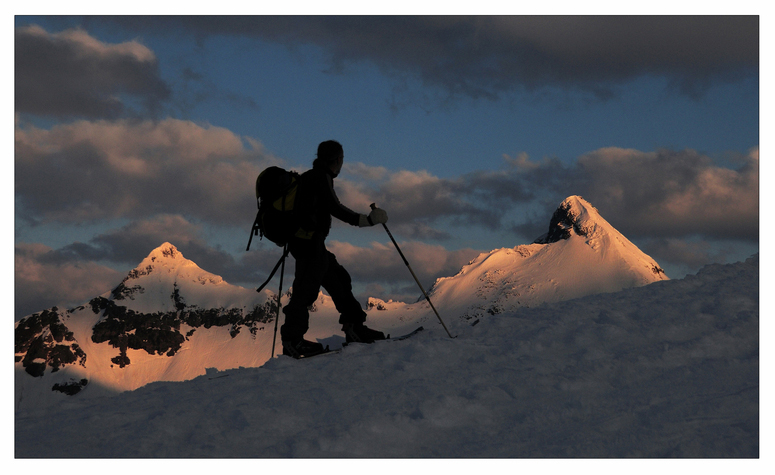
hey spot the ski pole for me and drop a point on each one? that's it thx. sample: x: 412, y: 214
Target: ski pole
x: 279, y: 296
x: 373, y: 206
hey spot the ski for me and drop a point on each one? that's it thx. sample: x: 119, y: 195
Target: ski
x: 218, y: 377
x: 328, y: 351
x: 396, y: 338
x: 404, y: 337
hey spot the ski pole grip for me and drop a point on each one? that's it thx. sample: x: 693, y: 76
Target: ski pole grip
x: 373, y: 206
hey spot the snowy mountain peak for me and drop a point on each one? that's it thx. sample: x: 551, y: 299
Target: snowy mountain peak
x: 168, y: 319
x: 169, y: 257
x: 576, y: 216
x: 166, y: 280
x: 166, y: 252
x: 166, y: 263
x: 582, y: 254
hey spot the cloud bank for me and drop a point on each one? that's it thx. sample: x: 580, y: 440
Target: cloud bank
x: 85, y: 171
x: 488, y: 56
x: 170, y: 177
x: 71, y: 74
x: 674, y: 193
x: 42, y: 279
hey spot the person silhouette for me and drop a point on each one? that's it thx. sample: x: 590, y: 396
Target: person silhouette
x: 316, y: 266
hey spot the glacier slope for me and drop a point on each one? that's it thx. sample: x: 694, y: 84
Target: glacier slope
x: 670, y: 369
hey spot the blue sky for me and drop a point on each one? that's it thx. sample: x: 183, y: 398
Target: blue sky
x: 469, y: 131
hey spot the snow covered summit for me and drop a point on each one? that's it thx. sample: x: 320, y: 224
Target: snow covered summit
x: 581, y: 254
x: 170, y: 320
x: 669, y: 370
x: 167, y: 281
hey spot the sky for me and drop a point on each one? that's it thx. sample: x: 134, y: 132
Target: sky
x: 132, y: 131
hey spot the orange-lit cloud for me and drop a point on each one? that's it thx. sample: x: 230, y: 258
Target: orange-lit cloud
x: 43, y: 279
x: 84, y: 171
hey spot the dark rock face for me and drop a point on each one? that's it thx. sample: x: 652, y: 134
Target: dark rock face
x: 159, y: 333
x: 70, y: 388
x: 560, y: 226
x: 42, y: 340
x: 122, y: 291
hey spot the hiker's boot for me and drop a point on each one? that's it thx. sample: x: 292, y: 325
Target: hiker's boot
x: 302, y: 348
x: 360, y: 333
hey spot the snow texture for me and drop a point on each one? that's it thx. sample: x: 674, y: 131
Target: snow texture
x: 581, y: 254
x: 669, y: 369
x: 169, y: 320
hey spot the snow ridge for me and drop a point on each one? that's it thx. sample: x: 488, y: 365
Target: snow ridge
x: 168, y: 319
x: 581, y: 254
x: 669, y: 370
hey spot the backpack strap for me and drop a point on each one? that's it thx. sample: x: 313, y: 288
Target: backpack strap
x: 254, y: 231
x: 277, y: 266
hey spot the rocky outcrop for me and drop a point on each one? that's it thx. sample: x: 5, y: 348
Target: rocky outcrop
x: 159, y: 333
x: 42, y: 340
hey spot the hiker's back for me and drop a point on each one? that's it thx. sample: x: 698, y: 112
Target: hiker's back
x: 312, y: 209
x: 277, y: 195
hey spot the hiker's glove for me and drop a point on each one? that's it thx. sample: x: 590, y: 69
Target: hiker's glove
x: 377, y: 216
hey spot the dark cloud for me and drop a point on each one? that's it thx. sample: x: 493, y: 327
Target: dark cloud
x: 486, y: 56
x: 71, y: 74
x: 86, y: 171
x: 43, y: 279
x: 382, y: 264
x: 672, y: 193
x: 688, y: 255
x: 131, y: 243
x: 417, y: 200
x: 661, y: 194
x: 127, y: 246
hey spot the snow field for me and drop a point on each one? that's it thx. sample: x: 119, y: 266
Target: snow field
x: 666, y: 370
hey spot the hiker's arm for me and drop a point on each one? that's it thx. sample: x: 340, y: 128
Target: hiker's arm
x: 338, y: 210
x: 343, y: 213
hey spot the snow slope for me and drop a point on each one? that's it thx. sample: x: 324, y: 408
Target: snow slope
x: 582, y: 254
x: 169, y: 319
x: 669, y: 369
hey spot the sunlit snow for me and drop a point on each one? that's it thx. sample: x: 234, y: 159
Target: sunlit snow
x: 576, y: 346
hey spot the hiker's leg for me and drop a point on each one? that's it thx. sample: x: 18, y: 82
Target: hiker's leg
x: 311, y: 266
x: 338, y: 284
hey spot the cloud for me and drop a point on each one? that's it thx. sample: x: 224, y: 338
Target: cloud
x: 43, y: 279
x: 86, y: 171
x: 132, y: 243
x: 660, y: 194
x: 416, y: 199
x: 673, y: 193
x: 71, y: 74
x: 73, y: 274
x: 381, y: 263
x: 128, y: 245
x: 686, y: 254
x: 487, y: 56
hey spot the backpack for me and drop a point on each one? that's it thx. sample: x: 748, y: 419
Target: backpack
x: 276, y: 191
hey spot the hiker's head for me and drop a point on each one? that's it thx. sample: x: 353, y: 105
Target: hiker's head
x: 331, y: 155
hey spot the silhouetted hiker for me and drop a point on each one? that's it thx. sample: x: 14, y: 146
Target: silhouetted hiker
x: 315, y: 265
